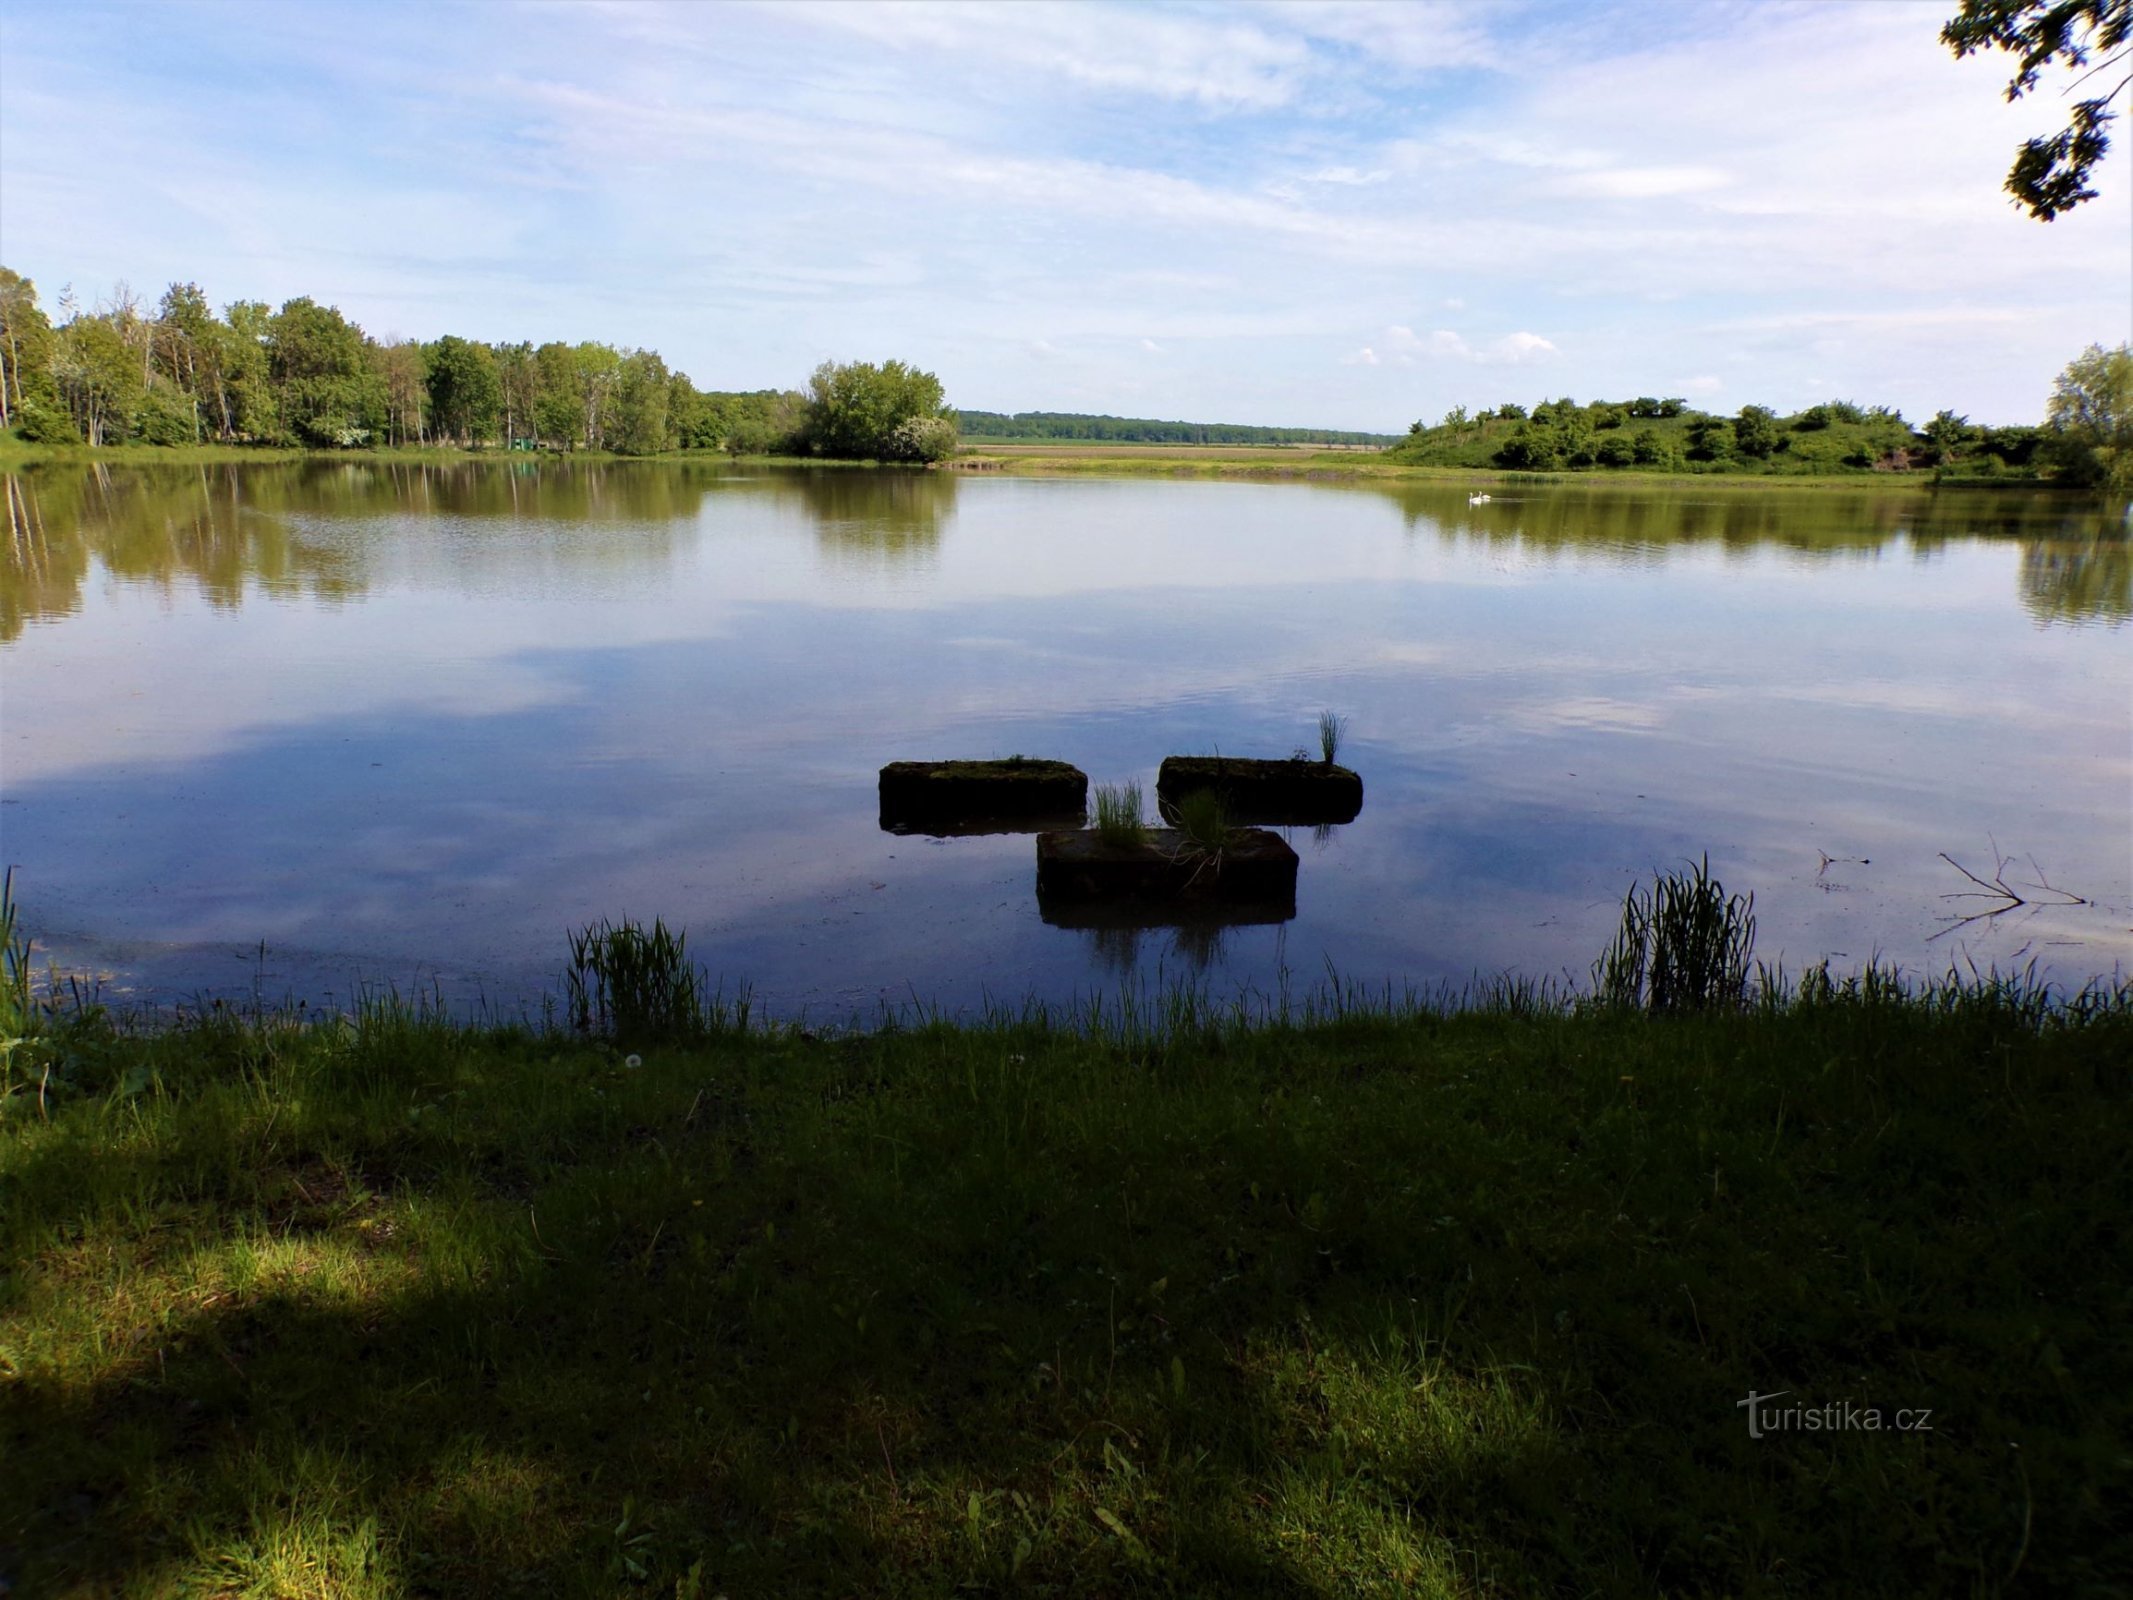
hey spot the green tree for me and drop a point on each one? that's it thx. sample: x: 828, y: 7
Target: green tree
x: 401, y: 367
x: 2089, y: 421
x: 254, y: 406
x: 559, y: 401
x: 636, y: 423
x: 2052, y: 175
x: 854, y: 408
x: 595, y: 369
x: 1531, y: 449
x: 99, y: 378
x: 185, y: 350
x: 1708, y: 437
x: 329, y: 393
x: 520, y: 377
x: 1756, y: 432
x: 1947, y: 433
x: 465, y: 394
x: 26, y: 348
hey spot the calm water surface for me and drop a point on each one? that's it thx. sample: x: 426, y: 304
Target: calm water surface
x: 408, y: 725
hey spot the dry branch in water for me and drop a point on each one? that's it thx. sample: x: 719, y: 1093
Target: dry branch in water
x: 1998, y: 888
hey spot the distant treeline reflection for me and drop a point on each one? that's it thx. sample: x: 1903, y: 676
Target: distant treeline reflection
x: 323, y: 529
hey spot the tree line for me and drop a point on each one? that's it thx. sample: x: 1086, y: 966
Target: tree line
x: 1035, y: 425
x: 176, y: 373
x: 2085, y: 439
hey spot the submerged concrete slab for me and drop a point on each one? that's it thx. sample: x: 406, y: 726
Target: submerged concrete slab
x: 1279, y: 792
x: 955, y: 796
x: 1254, y: 866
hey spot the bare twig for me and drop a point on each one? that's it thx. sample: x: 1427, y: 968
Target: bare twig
x: 1998, y: 888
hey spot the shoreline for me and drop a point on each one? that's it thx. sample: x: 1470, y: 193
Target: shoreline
x: 1241, y: 463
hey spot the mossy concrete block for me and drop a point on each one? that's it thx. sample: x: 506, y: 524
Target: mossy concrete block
x: 922, y: 793
x: 1263, y: 791
x: 1078, y: 865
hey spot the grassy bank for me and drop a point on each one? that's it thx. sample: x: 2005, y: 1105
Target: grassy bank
x: 1274, y: 463
x: 1263, y: 463
x: 1367, y: 1301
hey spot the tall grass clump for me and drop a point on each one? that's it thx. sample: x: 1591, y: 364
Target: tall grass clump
x: 1331, y: 730
x: 633, y: 986
x: 20, y: 1017
x: 1203, y: 823
x: 1118, y: 814
x: 1683, y: 946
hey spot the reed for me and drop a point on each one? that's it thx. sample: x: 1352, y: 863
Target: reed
x: 1203, y: 824
x: 1118, y: 815
x: 633, y: 986
x: 1331, y: 730
x: 1683, y: 945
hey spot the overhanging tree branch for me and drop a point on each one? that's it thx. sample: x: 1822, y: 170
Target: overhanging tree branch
x: 2051, y: 175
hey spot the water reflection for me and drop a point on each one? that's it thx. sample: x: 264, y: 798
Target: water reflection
x: 1199, y: 933
x: 328, y: 528
x: 2078, y: 580
x: 874, y: 519
x: 391, y: 714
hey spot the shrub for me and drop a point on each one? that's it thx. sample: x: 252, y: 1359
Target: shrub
x: 1707, y: 438
x: 1755, y: 431
x: 921, y: 439
x: 1530, y: 449
x: 38, y: 424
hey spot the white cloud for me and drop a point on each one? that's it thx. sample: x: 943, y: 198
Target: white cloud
x: 1644, y: 183
x: 1404, y: 347
x: 1033, y: 194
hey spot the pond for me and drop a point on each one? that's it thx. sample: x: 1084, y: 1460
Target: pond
x: 299, y: 729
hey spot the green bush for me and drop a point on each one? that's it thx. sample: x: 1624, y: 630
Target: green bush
x: 36, y: 424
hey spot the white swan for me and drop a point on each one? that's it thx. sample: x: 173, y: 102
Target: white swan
x: 1477, y: 499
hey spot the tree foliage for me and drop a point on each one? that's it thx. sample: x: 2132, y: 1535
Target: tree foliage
x: 856, y: 411
x: 1756, y: 432
x: 2052, y: 175
x: 2089, y: 421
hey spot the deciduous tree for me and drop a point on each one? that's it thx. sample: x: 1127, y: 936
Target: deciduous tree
x: 464, y: 391
x: 855, y: 408
x: 26, y: 344
x: 2052, y: 175
x: 2089, y: 421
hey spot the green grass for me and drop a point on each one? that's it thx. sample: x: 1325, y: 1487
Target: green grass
x: 1363, y: 1297
x: 1203, y: 824
x: 1682, y: 945
x: 1117, y: 817
x: 1331, y: 730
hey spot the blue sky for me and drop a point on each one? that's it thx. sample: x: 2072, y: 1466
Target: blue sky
x: 1332, y: 214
